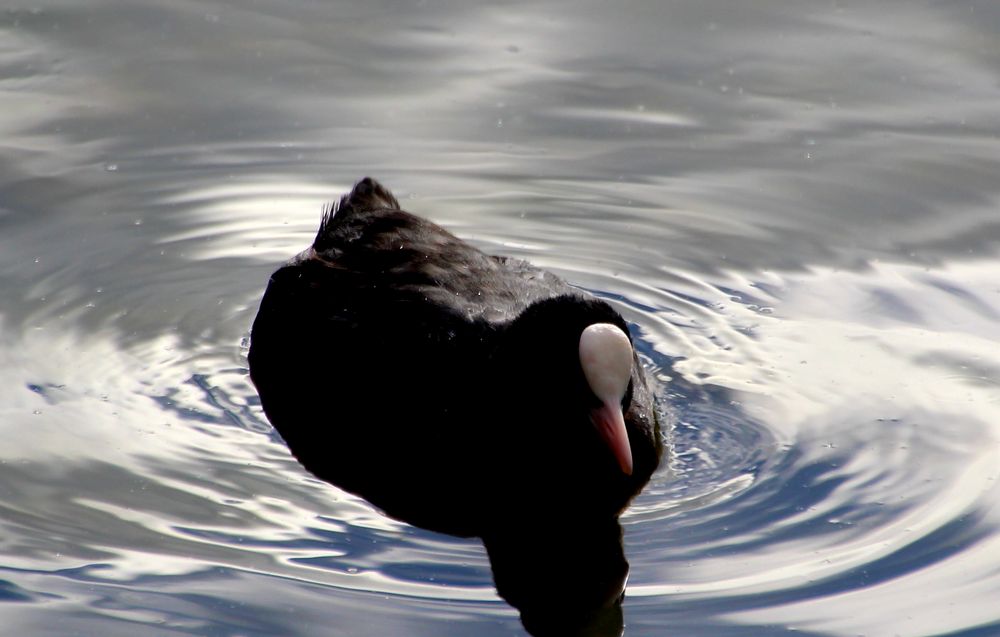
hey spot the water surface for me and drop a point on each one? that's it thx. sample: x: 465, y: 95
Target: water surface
x: 795, y: 206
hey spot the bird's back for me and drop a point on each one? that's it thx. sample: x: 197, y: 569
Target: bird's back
x: 383, y: 328
x: 370, y: 241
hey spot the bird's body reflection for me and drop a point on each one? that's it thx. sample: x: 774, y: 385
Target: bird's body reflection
x: 463, y: 393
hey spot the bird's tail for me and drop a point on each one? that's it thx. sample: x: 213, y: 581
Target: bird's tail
x: 366, y: 195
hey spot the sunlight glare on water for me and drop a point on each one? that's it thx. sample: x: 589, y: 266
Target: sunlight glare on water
x: 796, y: 209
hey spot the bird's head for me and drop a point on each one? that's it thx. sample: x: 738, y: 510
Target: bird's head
x: 567, y: 366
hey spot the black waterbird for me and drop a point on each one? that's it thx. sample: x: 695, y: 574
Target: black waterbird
x: 465, y: 393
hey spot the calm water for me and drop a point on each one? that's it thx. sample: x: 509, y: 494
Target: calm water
x: 797, y: 205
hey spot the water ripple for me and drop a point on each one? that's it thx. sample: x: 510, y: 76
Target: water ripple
x: 807, y: 257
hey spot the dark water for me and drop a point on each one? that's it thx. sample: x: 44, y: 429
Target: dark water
x: 797, y: 205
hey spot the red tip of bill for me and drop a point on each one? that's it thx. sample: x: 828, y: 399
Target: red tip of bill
x: 610, y: 424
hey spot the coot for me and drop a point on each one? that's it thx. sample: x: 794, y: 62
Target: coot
x: 461, y: 392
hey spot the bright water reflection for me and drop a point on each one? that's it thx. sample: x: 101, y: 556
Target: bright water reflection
x: 796, y: 207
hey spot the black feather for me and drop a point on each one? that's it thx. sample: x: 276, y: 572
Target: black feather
x: 367, y: 195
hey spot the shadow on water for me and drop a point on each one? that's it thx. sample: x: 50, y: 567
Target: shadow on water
x: 565, y: 580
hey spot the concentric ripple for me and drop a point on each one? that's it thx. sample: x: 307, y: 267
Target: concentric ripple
x: 795, y: 209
